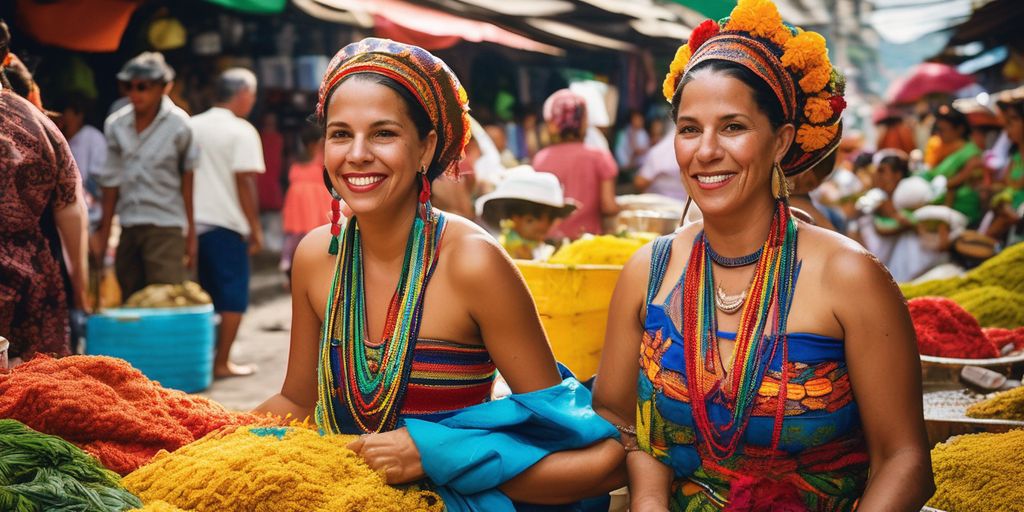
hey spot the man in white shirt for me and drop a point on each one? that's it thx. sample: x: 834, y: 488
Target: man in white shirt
x: 226, y: 206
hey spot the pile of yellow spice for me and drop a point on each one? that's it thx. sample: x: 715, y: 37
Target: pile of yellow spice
x: 1007, y: 405
x: 600, y: 250
x: 284, y: 469
x: 979, y: 472
x: 993, y: 292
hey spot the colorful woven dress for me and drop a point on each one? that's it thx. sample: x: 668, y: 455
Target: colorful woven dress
x: 820, y: 451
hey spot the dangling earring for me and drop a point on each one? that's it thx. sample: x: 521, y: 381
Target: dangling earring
x: 780, y: 188
x: 335, y: 214
x: 426, y: 209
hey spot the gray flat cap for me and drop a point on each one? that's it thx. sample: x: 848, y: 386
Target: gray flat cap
x: 147, y: 66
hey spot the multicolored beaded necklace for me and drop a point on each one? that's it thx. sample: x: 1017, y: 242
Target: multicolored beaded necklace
x: 772, y: 287
x: 373, y: 388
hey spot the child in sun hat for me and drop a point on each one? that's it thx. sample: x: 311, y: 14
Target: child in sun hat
x: 524, y: 207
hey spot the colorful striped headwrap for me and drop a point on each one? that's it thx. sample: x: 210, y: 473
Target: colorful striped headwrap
x: 794, y: 63
x: 429, y: 80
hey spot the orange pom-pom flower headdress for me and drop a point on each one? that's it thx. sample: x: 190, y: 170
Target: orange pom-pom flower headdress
x: 792, y: 62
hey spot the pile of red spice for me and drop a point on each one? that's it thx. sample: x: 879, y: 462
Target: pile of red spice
x: 110, y: 409
x: 945, y: 329
x: 1000, y: 337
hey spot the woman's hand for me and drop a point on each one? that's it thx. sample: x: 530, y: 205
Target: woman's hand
x: 393, y: 454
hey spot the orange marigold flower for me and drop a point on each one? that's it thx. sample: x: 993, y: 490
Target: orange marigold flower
x: 759, y: 17
x: 675, y: 70
x: 681, y: 59
x: 781, y: 36
x: 816, y: 78
x: 813, y: 138
x: 668, y: 87
x: 817, y: 110
x: 804, y: 51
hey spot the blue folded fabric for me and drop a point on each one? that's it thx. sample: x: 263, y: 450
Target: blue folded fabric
x: 469, y: 454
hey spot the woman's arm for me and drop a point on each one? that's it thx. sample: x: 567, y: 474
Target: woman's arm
x: 299, y: 392
x: 608, y: 204
x: 885, y: 373
x: 615, y: 396
x: 73, y: 227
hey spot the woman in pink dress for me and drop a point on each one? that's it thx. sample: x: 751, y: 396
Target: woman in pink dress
x: 307, y: 203
x: 587, y: 174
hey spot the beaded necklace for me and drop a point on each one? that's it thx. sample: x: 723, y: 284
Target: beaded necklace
x: 372, y: 388
x: 728, y: 262
x: 772, y: 286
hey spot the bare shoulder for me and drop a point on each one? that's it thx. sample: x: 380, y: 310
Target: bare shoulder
x: 311, y: 253
x: 473, y: 255
x: 845, y: 264
x: 317, y: 240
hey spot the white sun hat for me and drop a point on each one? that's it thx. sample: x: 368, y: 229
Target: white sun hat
x: 957, y: 221
x: 525, y: 184
x: 912, y: 193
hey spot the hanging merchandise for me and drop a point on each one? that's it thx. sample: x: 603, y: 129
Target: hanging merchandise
x: 166, y: 33
x: 253, y: 6
x: 207, y: 43
x: 276, y: 72
x: 309, y: 69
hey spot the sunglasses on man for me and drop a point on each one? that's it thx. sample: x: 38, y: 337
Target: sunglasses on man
x: 141, y: 86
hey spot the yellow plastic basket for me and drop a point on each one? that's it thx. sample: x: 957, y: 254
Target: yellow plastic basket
x: 573, y: 303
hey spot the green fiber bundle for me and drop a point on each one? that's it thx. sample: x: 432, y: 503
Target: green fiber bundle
x: 42, y: 472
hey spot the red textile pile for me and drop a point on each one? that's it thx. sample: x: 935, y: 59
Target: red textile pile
x: 945, y: 329
x: 109, y: 409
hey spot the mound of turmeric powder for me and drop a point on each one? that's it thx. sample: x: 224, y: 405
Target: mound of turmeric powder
x: 1008, y: 405
x: 979, y: 472
x: 271, y: 468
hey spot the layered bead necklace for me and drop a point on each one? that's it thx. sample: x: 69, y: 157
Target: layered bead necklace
x: 371, y: 388
x: 771, y: 287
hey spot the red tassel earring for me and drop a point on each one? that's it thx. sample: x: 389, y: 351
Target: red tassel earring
x: 335, y: 214
x: 426, y: 209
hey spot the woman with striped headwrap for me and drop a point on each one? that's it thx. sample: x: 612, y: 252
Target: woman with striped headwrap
x: 415, y: 308
x: 736, y: 385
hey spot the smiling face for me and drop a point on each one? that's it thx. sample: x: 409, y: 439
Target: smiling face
x: 725, y: 145
x: 373, y: 150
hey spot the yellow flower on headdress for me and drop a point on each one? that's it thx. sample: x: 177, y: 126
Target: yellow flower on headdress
x: 804, y: 51
x: 759, y: 17
x: 816, y: 78
x: 813, y: 138
x: 817, y: 110
x: 675, y: 70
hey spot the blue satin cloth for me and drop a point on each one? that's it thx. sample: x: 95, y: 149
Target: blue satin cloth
x: 470, y: 453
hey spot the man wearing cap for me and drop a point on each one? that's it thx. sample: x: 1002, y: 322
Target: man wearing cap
x: 147, y: 179
x: 226, y: 202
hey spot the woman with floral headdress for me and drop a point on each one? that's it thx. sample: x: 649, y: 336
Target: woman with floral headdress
x: 777, y: 361
x: 414, y: 308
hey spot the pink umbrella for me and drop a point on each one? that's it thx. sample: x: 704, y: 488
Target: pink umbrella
x: 927, y: 78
